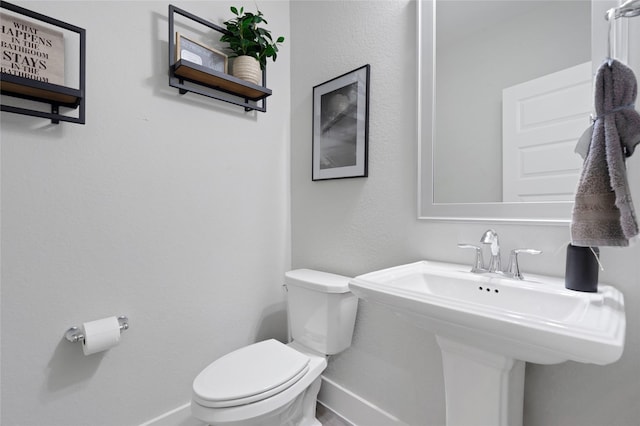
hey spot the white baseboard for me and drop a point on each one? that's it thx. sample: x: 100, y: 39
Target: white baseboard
x: 178, y: 416
x: 346, y: 404
x: 353, y: 408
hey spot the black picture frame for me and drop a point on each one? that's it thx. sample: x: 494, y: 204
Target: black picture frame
x: 341, y: 126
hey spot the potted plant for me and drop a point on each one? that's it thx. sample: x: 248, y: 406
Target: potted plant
x: 250, y: 44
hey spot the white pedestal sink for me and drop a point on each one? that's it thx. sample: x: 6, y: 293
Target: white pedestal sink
x: 488, y: 326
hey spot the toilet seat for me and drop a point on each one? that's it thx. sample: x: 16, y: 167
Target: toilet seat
x: 249, y: 374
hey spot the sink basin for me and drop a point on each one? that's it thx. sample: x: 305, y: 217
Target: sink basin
x: 489, y: 325
x: 536, y: 320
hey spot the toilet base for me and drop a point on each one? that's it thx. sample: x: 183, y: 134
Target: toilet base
x: 301, y: 411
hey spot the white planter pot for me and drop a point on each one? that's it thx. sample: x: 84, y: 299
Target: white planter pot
x: 247, y: 68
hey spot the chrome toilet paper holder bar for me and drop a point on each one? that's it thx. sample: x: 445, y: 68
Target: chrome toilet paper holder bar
x: 74, y: 334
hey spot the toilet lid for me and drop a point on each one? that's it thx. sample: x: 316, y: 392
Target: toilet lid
x: 250, y: 374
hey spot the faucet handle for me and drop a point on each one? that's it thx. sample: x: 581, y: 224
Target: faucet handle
x: 514, y: 269
x: 478, y: 264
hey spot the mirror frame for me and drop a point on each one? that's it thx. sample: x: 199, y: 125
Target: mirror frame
x: 549, y: 213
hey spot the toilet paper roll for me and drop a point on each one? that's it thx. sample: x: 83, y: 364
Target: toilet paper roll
x: 100, y: 335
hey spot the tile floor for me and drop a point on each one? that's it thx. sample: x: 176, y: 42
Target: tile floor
x: 329, y: 418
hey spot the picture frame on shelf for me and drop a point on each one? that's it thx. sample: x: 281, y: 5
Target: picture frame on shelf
x: 341, y: 126
x: 38, y: 58
x: 199, y: 54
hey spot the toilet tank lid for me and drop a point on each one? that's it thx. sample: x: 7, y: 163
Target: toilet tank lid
x: 316, y: 280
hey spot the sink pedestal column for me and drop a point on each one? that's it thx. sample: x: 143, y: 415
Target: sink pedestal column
x: 481, y: 387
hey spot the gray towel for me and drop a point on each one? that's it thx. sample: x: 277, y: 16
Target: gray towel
x: 603, y: 213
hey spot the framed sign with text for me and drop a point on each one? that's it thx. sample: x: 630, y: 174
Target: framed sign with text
x: 31, y: 50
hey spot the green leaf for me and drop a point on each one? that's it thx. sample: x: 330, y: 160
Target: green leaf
x: 246, y: 37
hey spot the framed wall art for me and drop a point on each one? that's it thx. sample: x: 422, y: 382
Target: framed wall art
x: 341, y: 126
x: 200, y: 54
x: 31, y: 50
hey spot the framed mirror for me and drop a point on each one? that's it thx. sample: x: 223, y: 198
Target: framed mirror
x: 505, y: 92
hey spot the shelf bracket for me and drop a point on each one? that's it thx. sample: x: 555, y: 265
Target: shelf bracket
x: 55, y: 110
x: 181, y: 90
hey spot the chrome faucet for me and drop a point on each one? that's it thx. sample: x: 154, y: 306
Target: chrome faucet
x: 491, y: 237
x: 478, y: 264
x: 514, y: 269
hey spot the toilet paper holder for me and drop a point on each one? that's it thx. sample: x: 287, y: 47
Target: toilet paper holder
x: 74, y: 334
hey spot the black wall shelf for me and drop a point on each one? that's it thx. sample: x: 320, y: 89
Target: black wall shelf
x: 55, y: 95
x: 208, y: 82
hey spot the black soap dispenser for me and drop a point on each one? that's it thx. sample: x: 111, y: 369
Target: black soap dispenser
x: 582, y: 268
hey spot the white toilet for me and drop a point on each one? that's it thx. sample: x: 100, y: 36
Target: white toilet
x: 273, y: 384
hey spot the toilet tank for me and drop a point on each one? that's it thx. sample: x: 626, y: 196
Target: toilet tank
x: 322, y: 310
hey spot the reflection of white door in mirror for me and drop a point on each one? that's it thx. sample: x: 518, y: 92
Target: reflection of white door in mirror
x: 542, y: 120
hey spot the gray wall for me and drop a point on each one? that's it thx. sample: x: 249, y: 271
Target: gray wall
x: 359, y: 225
x: 173, y: 210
